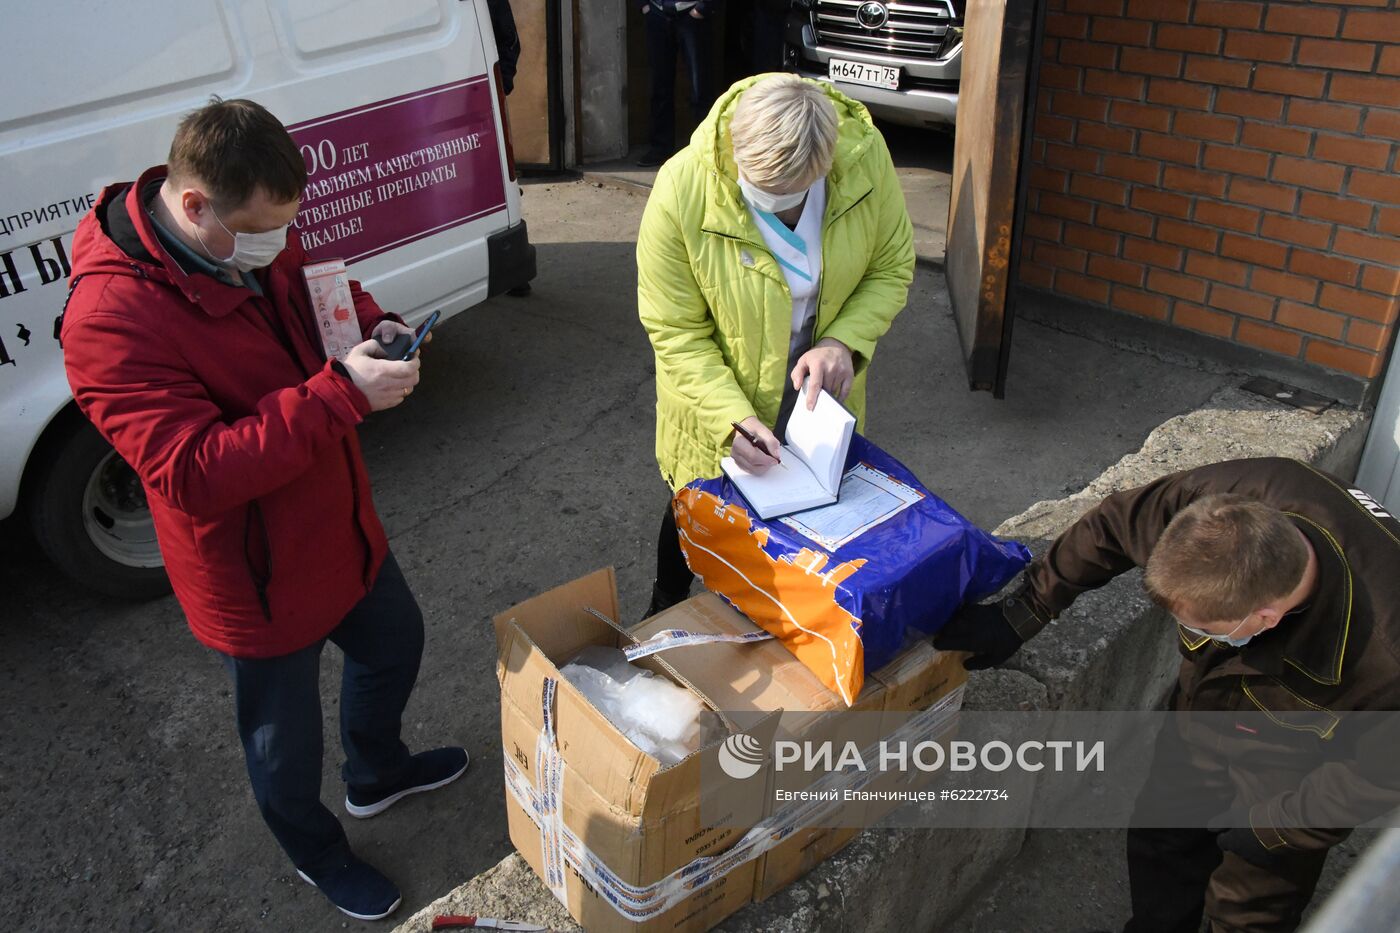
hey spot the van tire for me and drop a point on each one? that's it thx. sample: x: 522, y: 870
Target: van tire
x: 88, y: 513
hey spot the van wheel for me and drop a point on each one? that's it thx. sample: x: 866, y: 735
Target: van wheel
x: 89, y: 514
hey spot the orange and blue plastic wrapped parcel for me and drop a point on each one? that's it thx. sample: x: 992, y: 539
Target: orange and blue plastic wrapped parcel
x: 844, y: 586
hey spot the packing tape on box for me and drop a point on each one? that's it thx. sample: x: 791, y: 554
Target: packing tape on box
x: 560, y: 847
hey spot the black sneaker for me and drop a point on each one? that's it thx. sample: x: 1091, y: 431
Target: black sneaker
x: 430, y: 770
x: 357, y: 889
x: 652, y: 158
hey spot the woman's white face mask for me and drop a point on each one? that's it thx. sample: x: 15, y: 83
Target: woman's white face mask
x: 768, y: 202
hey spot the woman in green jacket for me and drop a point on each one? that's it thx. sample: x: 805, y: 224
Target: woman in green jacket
x: 775, y: 250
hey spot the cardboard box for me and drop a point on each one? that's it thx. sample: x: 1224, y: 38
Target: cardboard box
x: 644, y: 821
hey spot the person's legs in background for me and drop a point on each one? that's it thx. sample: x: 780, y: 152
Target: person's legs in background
x: 661, y: 59
x: 673, y: 576
x: 694, y: 38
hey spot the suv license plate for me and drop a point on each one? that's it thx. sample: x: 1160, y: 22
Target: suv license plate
x: 861, y: 73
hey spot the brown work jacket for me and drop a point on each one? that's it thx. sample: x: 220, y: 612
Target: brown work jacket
x: 1337, y: 654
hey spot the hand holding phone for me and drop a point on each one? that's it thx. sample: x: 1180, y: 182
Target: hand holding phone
x: 404, y: 345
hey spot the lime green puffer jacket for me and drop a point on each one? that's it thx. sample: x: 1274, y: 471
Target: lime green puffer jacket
x: 713, y: 299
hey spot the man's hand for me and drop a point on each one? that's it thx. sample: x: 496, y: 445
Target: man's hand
x: 1237, y: 836
x: 386, y: 330
x: 384, y: 382
x: 696, y: 14
x: 830, y: 365
x: 982, y: 630
x: 756, y: 459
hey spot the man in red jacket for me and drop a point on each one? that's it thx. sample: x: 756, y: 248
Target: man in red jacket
x: 191, y: 343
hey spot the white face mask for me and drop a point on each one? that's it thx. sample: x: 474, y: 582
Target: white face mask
x: 1227, y: 639
x: 250, y: 250
x: 768, y: 202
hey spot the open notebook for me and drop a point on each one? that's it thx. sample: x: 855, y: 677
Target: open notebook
x: 813, y: 459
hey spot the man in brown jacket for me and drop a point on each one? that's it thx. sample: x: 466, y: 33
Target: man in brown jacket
x: 1284, y: 583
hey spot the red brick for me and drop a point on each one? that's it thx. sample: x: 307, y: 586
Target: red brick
x: 1368, y: 153
x: 1058, y: 257
x: 1388, y: 221
x: 1091, y: 239
x: 1284, y: 285
x: 1113, y: 84
x: 1142, y: 171
x: 1365, y: 25
x: 1238, y: 301
x: 1321, y: 266
x: 1265, y: 194
x: 1082, y: 287
x: 1267, y: 337
x: 1170, y: 148
x: 1103, y: 136
x: 1041, y: 227
x: 1253, y: 250
x: 1056, y: 128
x: 1329, y: 53
x: 1218, y: 71
x: 1306, y: 20
x: 1142, y: 116
x: 1376, y: 186
x: 1188, y: 39
x: 1194, y: 236
x: 1228, y: 216
x: 1060, y: 76
x: 1161, y: 11
x: 1036, y: 275
x: 1123, y: 220
x: 1140, y: 303
x: 1384, y: 250
x: 1161, y: 202
x: 1324, y: 116
x: 1049, y: 179
x: 1276, y: 138
x: 1065, y: 207
x: 1293, y: 230
x: 1379, y: 308
x: 1216, y: 269
x: 1390, y: 60
x: 1178, y: 286
x: 1088, y: 54
x: 1150, y: 62
x: 1083, y: 106
x: 1179, y: 94
x: 1194, y: 317
x: 1099, y: 189
x: 1096, y: 7
x: 1295, y: 82
x: 1259, y: 46
x: 1347, y: 359
x: 1120, y: 31
x: 1337, y: 210
x: 1308, y: 173
x: 1365, y: 89
x: 1239, y: 161
x: 1368, y: 336
x: 1071, y: 158
x: 1066, y: 26
x: 1207, y: 126
x: 1249, y: 104
x: 1384, y: 281
x: 1154, y: 254
x: 1307, y: 318
x: 1383, y: 123
x: 1116, y: 270
x: 1193, y: 181
x: 1242, y: 15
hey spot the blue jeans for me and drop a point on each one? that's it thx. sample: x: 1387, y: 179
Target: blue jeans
x: 667, y: 33
x: 278, y: 708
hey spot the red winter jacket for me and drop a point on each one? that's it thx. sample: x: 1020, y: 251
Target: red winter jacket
x: 242, y: 433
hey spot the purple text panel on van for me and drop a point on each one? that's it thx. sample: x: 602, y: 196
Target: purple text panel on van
x: 399, y: 170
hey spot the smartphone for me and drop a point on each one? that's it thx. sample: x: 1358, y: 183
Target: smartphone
x: 404, y: 346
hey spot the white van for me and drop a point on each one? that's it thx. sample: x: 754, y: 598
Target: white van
x: 399, y: 113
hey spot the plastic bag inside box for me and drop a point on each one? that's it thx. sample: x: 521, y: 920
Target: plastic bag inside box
x: 845, y: 585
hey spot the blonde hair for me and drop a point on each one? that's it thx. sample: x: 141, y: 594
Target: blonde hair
x: 784, y: 132
x: 1223, y: 557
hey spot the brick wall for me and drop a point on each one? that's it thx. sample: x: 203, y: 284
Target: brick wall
x: 1226, y: 167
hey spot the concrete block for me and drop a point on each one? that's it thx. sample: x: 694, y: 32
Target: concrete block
x: 508, y: 891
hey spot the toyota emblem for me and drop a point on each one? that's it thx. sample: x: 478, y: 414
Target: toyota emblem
x: 872, y: 15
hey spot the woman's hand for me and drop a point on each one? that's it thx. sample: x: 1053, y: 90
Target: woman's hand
x: 830, y: 365
x: 756, y: 459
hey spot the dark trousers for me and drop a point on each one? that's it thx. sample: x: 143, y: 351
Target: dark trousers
x: 668, y: 33
x: 278, y: 708
x: 1178, y: 875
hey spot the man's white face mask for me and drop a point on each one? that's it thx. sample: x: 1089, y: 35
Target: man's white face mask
x: 1227, y: 639
x: 250, y: 250
x: 768, y: 202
